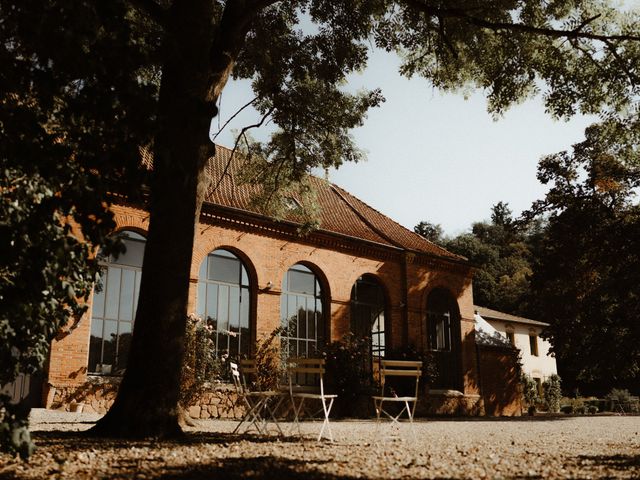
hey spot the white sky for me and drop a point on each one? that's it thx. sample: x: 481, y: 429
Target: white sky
x: 436, y: 157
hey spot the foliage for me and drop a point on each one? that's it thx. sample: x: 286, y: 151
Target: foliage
x: 552, y: 393
x: 502, y: 251
x: 430, y: 231
x: 429, y: 364
x: 14, y: 429
x: 66, y: 138
x: 201, y: 367
x: 587, y: 274
x: 619, y: 395
x: 348, y: 367
x: 269, y: 366
x: 530, y: 392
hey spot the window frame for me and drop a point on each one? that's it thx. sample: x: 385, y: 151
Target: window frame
x: 116, y: 368
x: 243, y: 343
x: 287, y: 298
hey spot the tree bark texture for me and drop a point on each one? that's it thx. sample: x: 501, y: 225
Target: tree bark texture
x: 198, y: 60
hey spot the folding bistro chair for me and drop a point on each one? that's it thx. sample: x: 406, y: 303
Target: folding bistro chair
x: 298, y: 367
x: 258, y: 404
x: 397, y: 368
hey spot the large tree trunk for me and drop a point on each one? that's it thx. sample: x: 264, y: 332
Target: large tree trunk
x: 192, y: 78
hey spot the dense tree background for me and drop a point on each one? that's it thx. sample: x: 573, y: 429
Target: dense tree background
x: 84, y: 85
x: 572, y: 260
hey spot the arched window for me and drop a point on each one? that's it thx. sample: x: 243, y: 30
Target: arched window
x: 443, y: 338
x: 224, y: 300
x: 368, y: 313
x: 301, y: 313
x: 114, y: 308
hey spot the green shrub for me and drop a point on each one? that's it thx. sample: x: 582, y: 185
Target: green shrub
x: 593, y: 409
x: 429, y: 365
x: 568, y: 409
x: 552, y: 393
x: 529, y: 391
x: 348, y: 366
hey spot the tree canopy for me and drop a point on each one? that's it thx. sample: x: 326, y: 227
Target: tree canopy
x: 587, y: 271
x: 100, y: 80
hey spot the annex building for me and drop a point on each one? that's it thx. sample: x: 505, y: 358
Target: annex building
x: 360, y: 272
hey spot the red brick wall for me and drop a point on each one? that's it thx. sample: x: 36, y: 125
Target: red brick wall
x: 268, y: 255
x: 500, y: 380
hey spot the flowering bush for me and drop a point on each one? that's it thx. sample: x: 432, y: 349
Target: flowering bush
x: 200, y: 366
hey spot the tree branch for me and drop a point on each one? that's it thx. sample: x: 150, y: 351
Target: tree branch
x: 232, y: 117
x: 518, y: 27
x: 151, y: 9
x: 241, y: 135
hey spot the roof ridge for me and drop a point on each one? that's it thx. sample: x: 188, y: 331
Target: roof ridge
x: 391, y: 220
x: 363, y: 218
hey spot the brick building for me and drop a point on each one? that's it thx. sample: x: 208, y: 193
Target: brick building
x: 360, y: 271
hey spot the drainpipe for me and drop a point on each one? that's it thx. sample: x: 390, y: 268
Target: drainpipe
x: 404, y: 312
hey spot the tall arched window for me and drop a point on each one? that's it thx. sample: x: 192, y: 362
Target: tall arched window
x: 224, y: 300
x: 368, y: 313
x: 114, y: 308
x: 301, y: 313
x: 443, y: 338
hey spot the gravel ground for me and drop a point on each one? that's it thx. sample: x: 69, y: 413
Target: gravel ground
x: 539, y: 447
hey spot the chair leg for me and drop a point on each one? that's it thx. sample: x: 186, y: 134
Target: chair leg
x: 252, y: 416
x: 296, y: 414
x: 327, y: 411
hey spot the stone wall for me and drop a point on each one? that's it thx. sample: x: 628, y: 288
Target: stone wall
x: 97, y: 394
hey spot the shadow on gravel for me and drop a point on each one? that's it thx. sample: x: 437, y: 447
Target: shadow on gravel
x: 623, y: 463
x: 523, y: 418
x: 189, y: 438
x: 266, y: 467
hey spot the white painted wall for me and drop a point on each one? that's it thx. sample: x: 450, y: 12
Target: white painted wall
x: 541, y: 366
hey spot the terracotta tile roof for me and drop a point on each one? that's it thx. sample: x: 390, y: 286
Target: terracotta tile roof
x: 340, y: 212
x: 506, y: 317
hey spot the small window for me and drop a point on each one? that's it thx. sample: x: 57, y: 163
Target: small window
x: 533, y: 344
x: 510, y: 333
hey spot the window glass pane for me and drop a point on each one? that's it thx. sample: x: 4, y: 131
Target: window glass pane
x: 301, y: 282
x: 292, y: 306
x: 127, y: 290
x: 95, y: 344
x: 113, y: 293
x: 137, y: 294
x: 234, y: 308
x: 97, y: 308
x: 223, y: 269
x: 124, y: 346
x: 211, y: 309
x: 312, y: 320
x: 110, y: 340
x: 201, y: 300
x: 245, y: 276
x: 223, y: 308
x: 244, y: 308
x: 302, y: 317
x: 133, y: 254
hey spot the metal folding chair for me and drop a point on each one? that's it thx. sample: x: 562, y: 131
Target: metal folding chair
x: 259, y: 405
x: 397, y: 368
x: 297, y: 367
